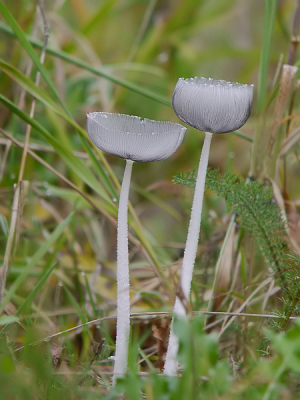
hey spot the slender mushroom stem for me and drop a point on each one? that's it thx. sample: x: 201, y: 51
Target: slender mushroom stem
x: 123, y: 306
x: 189, y: 257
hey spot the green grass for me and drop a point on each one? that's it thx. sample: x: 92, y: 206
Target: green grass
x: 58, y: 314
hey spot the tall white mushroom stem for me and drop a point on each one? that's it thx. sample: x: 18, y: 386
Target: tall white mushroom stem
x: 123, y: 305
x: 189, y: 257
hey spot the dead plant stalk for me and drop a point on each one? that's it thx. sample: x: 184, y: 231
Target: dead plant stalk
x: 21, y: 187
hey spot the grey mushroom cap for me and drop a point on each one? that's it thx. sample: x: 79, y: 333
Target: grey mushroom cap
x: 210, y: 105
x: 133, y: 138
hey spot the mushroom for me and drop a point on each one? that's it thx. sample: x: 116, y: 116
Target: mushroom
x: 138, y: 140
x: 211, y: 106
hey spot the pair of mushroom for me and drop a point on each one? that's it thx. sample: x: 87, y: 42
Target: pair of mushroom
x: 211, y: 106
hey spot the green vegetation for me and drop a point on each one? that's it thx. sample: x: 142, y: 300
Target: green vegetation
x: 59, y: 201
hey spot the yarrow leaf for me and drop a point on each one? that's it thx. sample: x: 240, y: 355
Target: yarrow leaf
x: 258, y: 212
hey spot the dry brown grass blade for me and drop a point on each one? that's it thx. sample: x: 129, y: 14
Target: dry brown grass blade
x: 280, y: 202
x: 277, y: 72
x: 59, y: 175
x: 21, y: 189
x: 226, y: 247
x: 42, y: 148
x: 133, y: 240
x: 225, y: 271
x: 286, y: 145
x: 70, y: 184
x: 289, y: 118
x: 294, y: 226
x: 268, y: 295
x: 287, y: 77
x: 235, y: 274
x: 245, y: 303
x: 37, y: 82
x: 152, y: 315
x: 4, y: 159
x: 294, y: 43
x: 289, y: 142
x: 223, y: 278
x: 22, y: 186
x: 153, y: 283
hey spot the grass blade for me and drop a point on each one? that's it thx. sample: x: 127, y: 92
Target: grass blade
x: 103, y: 73
x: 35, y: 260
x: 8, y: 319
x: 79, y: 311
x: 35, y: 91
x: 29, y: 49
x: 69, y: 158
x: 270, y: 14
x: 37, y: 288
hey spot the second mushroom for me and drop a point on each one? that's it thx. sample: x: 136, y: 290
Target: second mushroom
x: 211, y: 106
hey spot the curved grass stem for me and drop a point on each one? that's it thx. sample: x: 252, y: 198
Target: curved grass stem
x: 189, y: 257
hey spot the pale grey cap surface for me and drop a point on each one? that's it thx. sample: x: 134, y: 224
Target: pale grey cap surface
x: 132, y: 138
x: 214, y: 106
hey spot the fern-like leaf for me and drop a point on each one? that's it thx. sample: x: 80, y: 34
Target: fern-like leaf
x: 260, y: 215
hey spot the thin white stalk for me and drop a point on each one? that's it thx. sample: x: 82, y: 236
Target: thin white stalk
x: 123, y: 305
x: 189, y: 257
